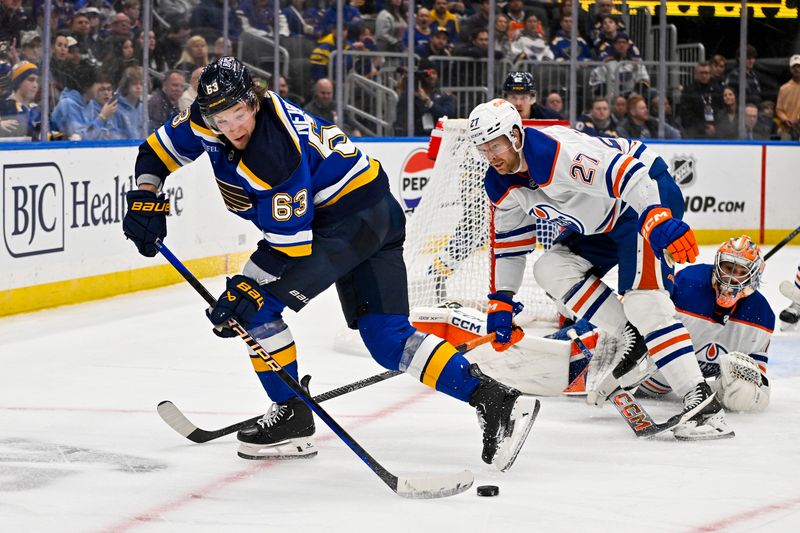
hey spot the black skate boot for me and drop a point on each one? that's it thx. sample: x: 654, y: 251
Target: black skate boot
x: 284, y: 432
x: 633, y: 351
x: 505, y: 415
x: 790, y: 317
x: 703, y: 417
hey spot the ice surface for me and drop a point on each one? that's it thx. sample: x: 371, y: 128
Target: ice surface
x: 82, y: 448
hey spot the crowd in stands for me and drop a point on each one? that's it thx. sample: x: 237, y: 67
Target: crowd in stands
x: 96, y: 75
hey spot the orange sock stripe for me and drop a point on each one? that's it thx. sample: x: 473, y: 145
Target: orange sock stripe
x: 667, y: 344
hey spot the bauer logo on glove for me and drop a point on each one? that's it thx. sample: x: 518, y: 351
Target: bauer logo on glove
x: 241, y: 300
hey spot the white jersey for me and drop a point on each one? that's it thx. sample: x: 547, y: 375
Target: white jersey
x: 573, y: 180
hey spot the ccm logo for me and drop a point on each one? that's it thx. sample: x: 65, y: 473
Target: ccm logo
x: 631, y: 411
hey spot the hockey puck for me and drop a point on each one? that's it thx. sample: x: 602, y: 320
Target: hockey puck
x: 488, y: 490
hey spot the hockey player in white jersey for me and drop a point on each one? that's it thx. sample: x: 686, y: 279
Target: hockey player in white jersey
x: 731, y: 324
x: 620, y: 207
x: 790, y: 317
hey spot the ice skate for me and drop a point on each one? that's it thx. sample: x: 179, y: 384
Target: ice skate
x: 506, y: 416
x: 624, y: 373
x: 284, y: 432
x: 703, y: 417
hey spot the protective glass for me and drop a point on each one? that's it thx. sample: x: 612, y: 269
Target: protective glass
x: 494, y: 148
x: 229, y: 119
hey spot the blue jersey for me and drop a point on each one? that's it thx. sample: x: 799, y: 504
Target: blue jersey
x: 746, y: 327
x: 295, y: 171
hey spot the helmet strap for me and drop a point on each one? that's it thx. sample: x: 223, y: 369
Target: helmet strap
x: 518, y: 150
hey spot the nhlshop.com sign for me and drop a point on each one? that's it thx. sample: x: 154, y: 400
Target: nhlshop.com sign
x: 63, y: 210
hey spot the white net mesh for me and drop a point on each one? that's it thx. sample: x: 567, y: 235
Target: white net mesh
x: 448, y: 249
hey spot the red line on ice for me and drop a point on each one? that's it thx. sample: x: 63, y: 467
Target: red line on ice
x: 155, y: 513
x: 746, y: 516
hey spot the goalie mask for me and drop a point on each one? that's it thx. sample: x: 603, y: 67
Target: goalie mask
x: 737, y: 270
x: 492, y: 120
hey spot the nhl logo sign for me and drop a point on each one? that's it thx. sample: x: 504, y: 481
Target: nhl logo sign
x: 414, y: 175
x: 683, y: 170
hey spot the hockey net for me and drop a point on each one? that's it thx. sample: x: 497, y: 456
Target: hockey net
x: 448, y: 245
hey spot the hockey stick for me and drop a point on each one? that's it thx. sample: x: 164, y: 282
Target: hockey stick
x: 178, y: 421
x: 783, y: 243
x: 420, y: 488
x: 474, y: 343
x: 631, y: 410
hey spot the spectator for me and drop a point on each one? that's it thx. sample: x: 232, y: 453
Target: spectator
x: 14, y: 19
x: 563, y: 8
x: 69, y: 116
x: 519, y: 89
x: 219, y: 49
x: 101, y: 108
x: 31, y: 49
x: 516, y: 16
x: 350, y: 14
x: 295, y: 19
x: 59, y: 69
x: 599, y: 122
x: 195, y: 54
x: 20, y: 113
x: 366, y: 65
x: 502, y: 42
x: 727, y: 123
x: 155, y: 55
x: 639, y: 124
x: 163, y: 103
x: 753, y: 85
x: 260, y: 15
x: 477, y: 47
x: 133, y: 9
x: 787, y: 109
x: 442, y: 16
x: 74, y: 52
x: 767, y: 113
x: 285, y: 93
x: 188, y: 96
x: 422, y: 28
x: 622, y: 73
x: 479, y: 20
x: 553, y: 102
x: 120, y: 57
x: 619, y: 111
x: 390, y: 26
x: 439, y: 44
x: 754, y: 127
x: 607, y: 47
x: 129, y: 108
x: 430, y: 103
x: 207, y: 20
x: 700, y: 104
x: 172, y: 43
x: 602, y: 10
x: 81, y: 29
x: 120, y: 26
x: 321, y: 55
x: 672, y: 130
x: 530, y: 43
x: 322, y: 104
x: 561, y: 44
x: 718, y: 64
x: 176, y: 12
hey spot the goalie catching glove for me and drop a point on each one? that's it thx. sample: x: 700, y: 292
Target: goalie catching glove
x: 740, y: 385
x: 666, y: 233
x: 146, y: 220
x: 241, y: 300
x: 500, y: 321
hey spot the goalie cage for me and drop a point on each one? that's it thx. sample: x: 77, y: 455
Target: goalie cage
x: 448, y: 250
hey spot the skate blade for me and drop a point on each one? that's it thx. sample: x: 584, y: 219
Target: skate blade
x: 281, y: 451
x: 524, y: 412
x: 715, y: 435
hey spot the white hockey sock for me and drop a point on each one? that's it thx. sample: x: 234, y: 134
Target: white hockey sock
x: 671, y: 349
x: 593, y: 300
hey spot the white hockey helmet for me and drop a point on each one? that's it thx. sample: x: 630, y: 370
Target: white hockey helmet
x: 493, y: 119
x: 737, y: 270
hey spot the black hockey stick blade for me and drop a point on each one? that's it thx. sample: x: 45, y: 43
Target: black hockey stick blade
x: 178, y: 421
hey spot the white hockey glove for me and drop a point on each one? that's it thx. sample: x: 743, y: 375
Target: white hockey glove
x: 740, y: 385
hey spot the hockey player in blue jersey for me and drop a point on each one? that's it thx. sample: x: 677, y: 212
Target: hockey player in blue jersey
x: 327, y: 216
x: 620, y: 207
x: 731, y: 324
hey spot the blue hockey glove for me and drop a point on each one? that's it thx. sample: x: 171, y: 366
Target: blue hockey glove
x: 241, y: 300
x: 500, y: 321
x: 146, y: 220
x: 666, y: 233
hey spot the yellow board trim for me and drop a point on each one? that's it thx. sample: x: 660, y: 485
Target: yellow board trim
x: 437, y: 363
x: 283, y: 358
x: 73, y: 291
x: 359, y: 181
x: 162, y: 154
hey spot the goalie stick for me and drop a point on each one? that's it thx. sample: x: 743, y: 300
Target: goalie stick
x: 419, y: 488
x: 783, y: 243
x: 178, y: 421
x: 640, y: 422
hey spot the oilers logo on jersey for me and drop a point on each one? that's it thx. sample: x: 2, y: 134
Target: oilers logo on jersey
x: 557, y: 217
